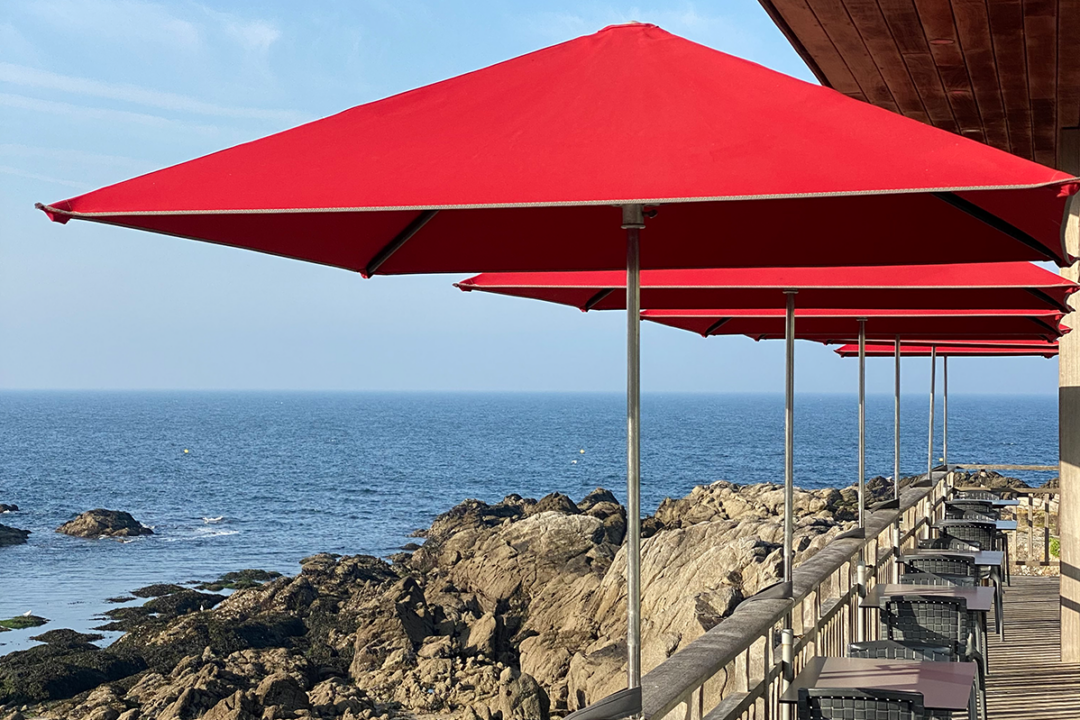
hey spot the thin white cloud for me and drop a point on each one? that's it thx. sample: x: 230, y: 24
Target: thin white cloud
x: 186, y: 28
x: 7, y: 170
x: 123, y: 20
x: 45, y: 80
x: 23, y: 102
x: 18, y: 150
x: 254, y: 36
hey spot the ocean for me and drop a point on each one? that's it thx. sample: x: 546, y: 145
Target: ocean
x: 261, y: 479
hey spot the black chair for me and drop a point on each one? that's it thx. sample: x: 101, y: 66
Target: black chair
x: 948, y: 542
x: 983, y: 533
x: 963, y: 512
x: 862, y: 704
x: 943, y: 565
x: 616, y: 706
x: 976, y: 495
x: 920, y: 578
x: 896, y: 650
x: 938, y: 621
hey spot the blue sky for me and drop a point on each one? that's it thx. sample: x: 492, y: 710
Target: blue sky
x: 95, y: 91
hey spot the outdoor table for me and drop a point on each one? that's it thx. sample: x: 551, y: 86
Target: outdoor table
x: 979, y: 599
x: 994, y: 560
x: 943, y: 685
x: 1002, y: 525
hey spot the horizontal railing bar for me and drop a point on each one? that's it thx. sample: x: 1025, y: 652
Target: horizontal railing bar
x: 733, y: 705
x: 1017, y: 490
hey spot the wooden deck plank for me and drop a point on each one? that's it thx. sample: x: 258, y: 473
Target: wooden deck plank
x: 1027, y: 679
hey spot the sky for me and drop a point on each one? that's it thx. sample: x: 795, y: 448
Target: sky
x: 96, y: 91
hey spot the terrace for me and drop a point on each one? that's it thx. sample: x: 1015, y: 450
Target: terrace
x: 742, y: 667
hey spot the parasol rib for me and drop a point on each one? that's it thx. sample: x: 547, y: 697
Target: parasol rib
x: 403, y: 237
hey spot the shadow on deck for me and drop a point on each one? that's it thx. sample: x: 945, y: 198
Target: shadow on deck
x: 1027, y: 678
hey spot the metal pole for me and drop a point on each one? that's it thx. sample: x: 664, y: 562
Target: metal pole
x: 933, y: 394
x: 896, y: 456
x: 930, y: 443
x: 945, y: 410
x: 862, y: 422
x: 896, y: 421
x: 789, y: 437
x: 633, y: 221
x: 787, y: 666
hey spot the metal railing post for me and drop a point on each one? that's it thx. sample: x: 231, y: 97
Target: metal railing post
x: 787, y: 658
x: 860, y: 616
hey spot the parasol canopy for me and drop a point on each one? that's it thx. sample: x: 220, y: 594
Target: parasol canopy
x: 842, y: 324
x: 982, y: 349
x: 520, y: 166
x: 1017, y: 285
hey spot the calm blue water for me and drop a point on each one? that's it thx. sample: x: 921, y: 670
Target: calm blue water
x: 292, y: 474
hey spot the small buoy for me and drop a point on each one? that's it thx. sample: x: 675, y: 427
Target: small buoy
x: 582, y: 451
x: 185, y: 451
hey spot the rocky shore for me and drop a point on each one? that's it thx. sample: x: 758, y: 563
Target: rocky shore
x: 508, y: 611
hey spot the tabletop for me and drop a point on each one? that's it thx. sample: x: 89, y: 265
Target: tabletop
x: 944, y: 685
x: 977, y: 598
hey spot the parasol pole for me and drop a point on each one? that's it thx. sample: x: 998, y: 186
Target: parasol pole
x: 789, y: 436
x: 933, y: 393
x: 930, y: 441
x: 862, y: 422
x: 896, y: 455
x: 945, y: 410
x: 633, y: 220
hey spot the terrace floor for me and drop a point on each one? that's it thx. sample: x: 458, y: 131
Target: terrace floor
x: 1027, y: 679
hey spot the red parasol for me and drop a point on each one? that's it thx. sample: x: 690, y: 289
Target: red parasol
x: 1017, y: 285
x: 1035, y: 348
x: 519, y: 166
x: 835, y: 325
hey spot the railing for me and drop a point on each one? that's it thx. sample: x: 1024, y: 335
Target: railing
x: 1033, y: 544
x: 739, y: 668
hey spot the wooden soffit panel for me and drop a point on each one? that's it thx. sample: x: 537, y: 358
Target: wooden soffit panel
x: 1004, y: 72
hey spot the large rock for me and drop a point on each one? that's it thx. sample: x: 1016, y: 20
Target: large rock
x: 104, y: 523
x: 67, y: 665
x: 509, y: 610
x: 12, y: 536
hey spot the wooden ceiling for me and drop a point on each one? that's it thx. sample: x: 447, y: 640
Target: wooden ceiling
x: 1006, y: 72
